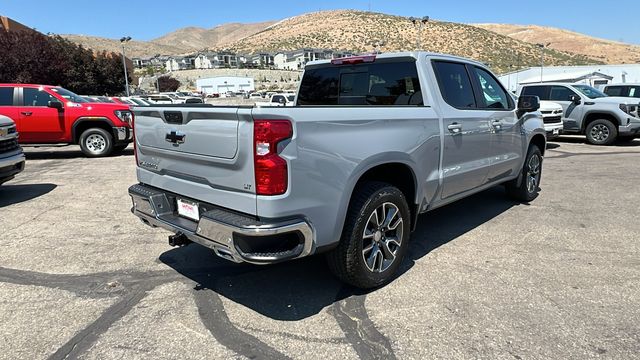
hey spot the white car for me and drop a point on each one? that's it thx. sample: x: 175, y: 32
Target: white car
x: 282, y: 100
x: 552, y: 116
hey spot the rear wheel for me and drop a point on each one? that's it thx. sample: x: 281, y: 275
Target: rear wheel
x: 96, y: 142
x: 601, y: 132
x: 529, y: 187
x: 375, y: 237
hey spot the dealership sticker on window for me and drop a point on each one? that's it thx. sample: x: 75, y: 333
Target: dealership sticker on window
x: 188, y: 209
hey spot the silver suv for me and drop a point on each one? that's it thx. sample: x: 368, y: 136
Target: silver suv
x: 602, y: 119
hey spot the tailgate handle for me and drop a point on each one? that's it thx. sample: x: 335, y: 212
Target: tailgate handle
x: 173, y: 117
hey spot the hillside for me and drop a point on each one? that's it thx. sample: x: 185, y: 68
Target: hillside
x: 199, y: 38
x: 134, y: 48
x: 357, y: 30
x: 611, y: 52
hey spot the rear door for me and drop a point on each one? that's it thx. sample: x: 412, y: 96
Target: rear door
x: 467, y: 133
x: 38, y: 122
x: 200, y: 152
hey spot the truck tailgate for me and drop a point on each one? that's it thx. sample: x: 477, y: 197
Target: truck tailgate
x: 204, y: 153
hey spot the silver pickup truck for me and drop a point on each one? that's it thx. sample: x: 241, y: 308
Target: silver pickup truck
x: 371, y: 143
x: 11, y: 157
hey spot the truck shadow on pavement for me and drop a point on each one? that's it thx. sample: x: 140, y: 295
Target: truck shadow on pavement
x: 299, y: 289
x: 15, y: 194
x: 34, y: 154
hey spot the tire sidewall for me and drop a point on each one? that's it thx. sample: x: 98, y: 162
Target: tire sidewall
x: 108, y: 142
x: 533, y: 151
x: 613, y: 133
x: 387, y: 194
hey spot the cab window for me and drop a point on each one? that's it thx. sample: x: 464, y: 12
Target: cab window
x: 36, y: 97
x: 455, y: 84
x: 6, y: 96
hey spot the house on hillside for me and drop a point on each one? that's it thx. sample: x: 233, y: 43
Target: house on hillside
x: 264, y: 60
x: 296, y: 60
x: 176, y: 63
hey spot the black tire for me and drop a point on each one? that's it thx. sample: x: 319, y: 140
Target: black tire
x: 96, y: 142
x: 347, y: 261
x: 120, y: 148
x: 601, y: 132
x: 529, y: 187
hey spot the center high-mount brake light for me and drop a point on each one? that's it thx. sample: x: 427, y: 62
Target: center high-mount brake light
x: 270, y: 169
x: 354, y: 60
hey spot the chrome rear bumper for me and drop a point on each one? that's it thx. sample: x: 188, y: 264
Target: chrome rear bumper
x: 224, y: 231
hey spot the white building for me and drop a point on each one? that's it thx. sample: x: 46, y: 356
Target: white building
x: 222, y: 84
x: 179, y: 63
x: 594, y: 75
x: 296, y: 60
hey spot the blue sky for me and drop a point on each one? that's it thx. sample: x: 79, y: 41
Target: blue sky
x: 146, y: 20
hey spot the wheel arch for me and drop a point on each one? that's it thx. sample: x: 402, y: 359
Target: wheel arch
x: 84, y: 123
x: 592, y: 116
x: 397, y: 172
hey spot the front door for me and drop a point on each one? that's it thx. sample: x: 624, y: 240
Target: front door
x: 506, y: 136
x: 467, y: 134
x: 571, y: 112
x: 38, y: 122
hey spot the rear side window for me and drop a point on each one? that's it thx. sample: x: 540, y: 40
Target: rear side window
x: 455, y: 85
x: 36, y: 97
x: 6, y: 96
x: 370, y: 84
x: 614, y: 91
x: 560, y: 93
x: 540, y: 91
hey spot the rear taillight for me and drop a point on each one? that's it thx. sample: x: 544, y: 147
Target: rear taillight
x: 270, y: 169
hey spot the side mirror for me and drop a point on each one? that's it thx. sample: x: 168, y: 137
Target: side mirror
x: 55, y: 104
x: 528, y: 103
x: 575, y: 99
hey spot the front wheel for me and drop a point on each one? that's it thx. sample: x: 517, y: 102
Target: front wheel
x: 601, y: 132
x: 96, y: 142
x: 528, y: 187
x: 375, y: 237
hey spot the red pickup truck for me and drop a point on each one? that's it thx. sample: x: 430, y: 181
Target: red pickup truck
x: 53, y: 115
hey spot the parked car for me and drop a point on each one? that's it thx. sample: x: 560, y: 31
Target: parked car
x: 159, y: 99
x: 590, y: 112
x: 623, y: 90
x: 53, y: 115
x: 282, y: 100
x: 372, y: 142
x: 552, y: 117
x: 255, y: 96
x: 11, y: 157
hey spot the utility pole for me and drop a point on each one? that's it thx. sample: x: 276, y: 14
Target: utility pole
x: 542, y: 46
x: 419, y: 23
x: 125, y: 40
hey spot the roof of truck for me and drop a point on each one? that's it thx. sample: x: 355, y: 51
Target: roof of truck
x: 413, y: 54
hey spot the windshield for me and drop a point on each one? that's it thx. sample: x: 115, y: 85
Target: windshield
x: 590, y: 92
x: 68, y: 95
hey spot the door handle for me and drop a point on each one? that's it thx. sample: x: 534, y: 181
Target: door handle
x: 497, y: 125
x: 26, y: 113
x: 455, y: 128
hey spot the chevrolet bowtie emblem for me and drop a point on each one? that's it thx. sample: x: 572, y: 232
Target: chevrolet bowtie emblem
x: 175, y: 137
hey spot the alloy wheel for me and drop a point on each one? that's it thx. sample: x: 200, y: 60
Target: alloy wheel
x: 96, y: 143
x: 382, y: 237
x: 600, y: 132
x: 533, y: 173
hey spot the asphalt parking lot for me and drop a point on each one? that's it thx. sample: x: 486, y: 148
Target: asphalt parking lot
x: 80, y: 277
